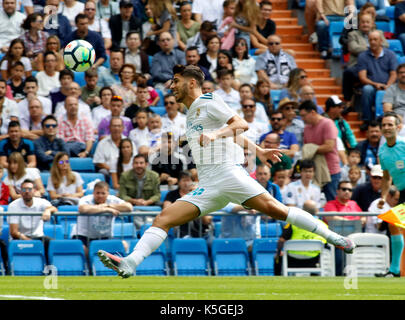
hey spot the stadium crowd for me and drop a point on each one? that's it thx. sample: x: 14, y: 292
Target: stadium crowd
x: 122, y: 115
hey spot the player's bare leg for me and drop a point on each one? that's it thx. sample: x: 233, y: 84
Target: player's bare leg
x: 266, y: 204
x: 177, y: 214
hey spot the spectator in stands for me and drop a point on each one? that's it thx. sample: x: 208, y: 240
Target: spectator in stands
x: 353, y: 159
x: 141, y: 104
x: 275, y: 64
x: 52, y: 44
x: 366, y: 193
x: 376, y: 68
x: 103, y: 110
x: 293, y: 124
x: 34, y: 38
x: 77, y: 132
x: 30, y: 91
x: 140, y: 186
x: 333, y: 108
x: 303, y: 189
x: 55, y: 23
x: 31, y: 127
x: 108, y: 76
x: 300, y: 259
x: 10, y: 20
x: 125, y: 88
x: 394, y: 97
x: 164, y: 61
x: 15, y: 143
x: 95, y: 227
x: 123, y: 162
x: 281, y: 178
x: 322, y: 132
x: 207, y: 11
x: 90, y: 92
x: 329, y: 10
x: 97, y: 24
x: 342, y: 203
x: 272, y: 140
x: 246, y: 92
x: 357, y: 43
x: 16, y: 82
x: 9, y: 109
x: 186, y: 26
x: 106, y: 9
x: 399, y: 15
x: 117, y: 105
x: 18, y: 172
x: 155, y: 131
x: 225, y: 90
x: 369, y: 147
x: 265, y: 27
x: 243, y: 64
x: 83, y: 33
x: 16, y: 52
x: 208, y: 86
x: 256, y: 128
x: 199, y: 40
x: 307, y: 93
x: 296, y: 80
x: 107, y: 149
x: 74, y: 91
x: 167, y: 161
x: 224, y: 61
x: 262, y: 96
x: 27, y: 227
x: 48, y: 79
x: 209, y: 58
x: 288, y: 140
x: 173, y: 121
x: 4, y: 193
x: 120, y: 24
x: 65, y: 186
x: 66, y: 77
x: 263, y: 176
x: 135, y: 55
x: 140, y: 134
x: 71, y: 9
x: 48, y: 145
x: 153, y: 95
x: 165, y: 19
x: 193, y: 58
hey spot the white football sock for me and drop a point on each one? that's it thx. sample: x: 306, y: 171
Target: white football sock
x: 305, y: 220
x: 149, y: 242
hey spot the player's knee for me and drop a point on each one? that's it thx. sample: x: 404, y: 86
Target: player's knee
x: 161, y: 222
x: 275, y: 209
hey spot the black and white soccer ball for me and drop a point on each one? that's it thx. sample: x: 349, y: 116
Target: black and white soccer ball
x: 79, y: 55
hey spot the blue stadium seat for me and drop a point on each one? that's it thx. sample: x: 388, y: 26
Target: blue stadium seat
x: 79, y: 78
x: 335, y: 30
x: 112, y: 246
x: 44, y: 177
x: 190, y: 257
x: 396, y: 46
x: 124, y: 231
x: 2, y: 269
x: 379, y: 103
x: 270, y: 230
x: 26, y: 257
x: 154, y: 265
x: 390, y: 13
x: 161, y: 102
x: 217, y: 229
x: 384, y: 26
x: 263, y: 251
x: 106, y: 63
x: 54, y: 231
x: 82, y: 165
x: 163, y: 194
x: 275, y: 97
x: 230, y: 257
x: 159, y: 110
x: 89, y: 177
x: 68, y: 257
x: 5, y: 233
x: 301, y: 4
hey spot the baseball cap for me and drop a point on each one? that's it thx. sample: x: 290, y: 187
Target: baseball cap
x: 376, y: 171
x: 125, y: 4
x: 333, y: 101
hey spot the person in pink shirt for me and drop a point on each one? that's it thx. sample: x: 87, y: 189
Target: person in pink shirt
x: 343, y: 203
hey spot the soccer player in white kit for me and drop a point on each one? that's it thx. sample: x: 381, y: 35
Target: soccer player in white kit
x: 214, y: 134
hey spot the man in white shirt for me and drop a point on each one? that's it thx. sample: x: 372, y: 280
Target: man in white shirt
x: 256, y: 128
x: 173, y: 121
x: 30, y: 90
x: 10, y: 24
x: 226, y: 92
x: 27, y: 227
x: 246, y: 91
x: 8, y: 107
x: 70, y: 9
x: 97, y: 24
x: 84, y: 109
x: 140, y: 135
x: 208, y: 10
x: 49, y: 78
x: 297, y: 192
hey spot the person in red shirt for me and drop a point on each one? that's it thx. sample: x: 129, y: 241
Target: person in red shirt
x: 342, y: 203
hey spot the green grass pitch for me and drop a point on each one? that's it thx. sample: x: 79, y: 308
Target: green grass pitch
x: 201, y: 288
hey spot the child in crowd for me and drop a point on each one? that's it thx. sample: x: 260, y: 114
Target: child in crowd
x: 153, y: 98
x: 140, y: 135
x: 16, y: 81
x: 356, y: 176
x: 281, y: 178
x: 353, y: 159
x: 229, y: 94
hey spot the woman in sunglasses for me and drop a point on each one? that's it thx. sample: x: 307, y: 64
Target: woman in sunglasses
x: 65, y: 186
x: 18, y: 172
x: 297, y: 79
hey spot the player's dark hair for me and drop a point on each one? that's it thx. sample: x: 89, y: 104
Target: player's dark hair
x: 308, y: 106
x: 190, y: 71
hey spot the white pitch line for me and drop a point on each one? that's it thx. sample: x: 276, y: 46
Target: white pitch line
x: 28, y: 297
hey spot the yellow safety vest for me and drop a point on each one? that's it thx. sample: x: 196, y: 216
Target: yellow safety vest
x: 301, y: 234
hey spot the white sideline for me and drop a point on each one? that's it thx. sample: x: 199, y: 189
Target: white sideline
x: 28, y: 297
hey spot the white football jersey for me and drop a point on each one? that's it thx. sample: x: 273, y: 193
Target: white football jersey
x: 206, y: 114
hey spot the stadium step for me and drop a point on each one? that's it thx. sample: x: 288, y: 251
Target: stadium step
x: 282, y: 30
x: 318, y: 73
x: 307, y: 55
x: 310, y: 63
x: 323, y: 82
x: 307, y: 47
x: 285, y: 21
x: 281, y: 14
x: 280, y: 5
x: 331, y: 90
x: 294, y: 38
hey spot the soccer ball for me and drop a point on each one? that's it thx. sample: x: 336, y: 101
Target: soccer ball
x: 79, y: 55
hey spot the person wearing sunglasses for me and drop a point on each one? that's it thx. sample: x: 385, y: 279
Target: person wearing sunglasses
x: 293, y: 124
x: 275, y: 64
x: 256, y: 128
x: 48, y: 145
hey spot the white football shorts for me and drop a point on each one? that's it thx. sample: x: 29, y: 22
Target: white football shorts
x: 227, y: 183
